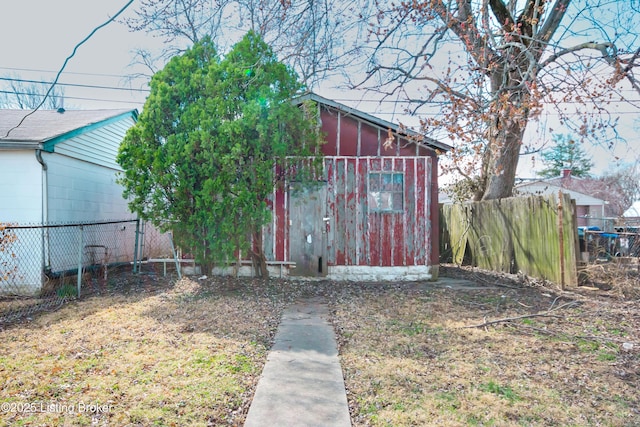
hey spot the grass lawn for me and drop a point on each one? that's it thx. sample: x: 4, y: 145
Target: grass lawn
x: 156, y: 354
x: 151, y: 351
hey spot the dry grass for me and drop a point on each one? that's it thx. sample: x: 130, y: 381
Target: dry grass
x: 621, y: 277
x: 183, y: 355
x: 410, y: 358
x: 190, y: 353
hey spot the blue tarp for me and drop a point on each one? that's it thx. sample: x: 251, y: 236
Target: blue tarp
x: 581, y: 231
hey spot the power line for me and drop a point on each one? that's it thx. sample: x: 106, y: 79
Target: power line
x: 9, y: 79
x: 350, y: 100
x: 79, y: 98
x: 68, y: 72
x: 107, y: 22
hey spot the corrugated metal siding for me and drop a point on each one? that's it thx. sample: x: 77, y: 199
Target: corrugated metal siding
x: 99, y: 146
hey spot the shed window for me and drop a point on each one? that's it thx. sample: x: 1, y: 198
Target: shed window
x: 386, y: 192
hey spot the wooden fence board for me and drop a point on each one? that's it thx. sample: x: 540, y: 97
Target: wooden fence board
x: 512, y: 235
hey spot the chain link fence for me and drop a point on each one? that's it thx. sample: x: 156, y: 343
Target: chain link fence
x: 42, y: 266
x: 610, y: 255
x: 602, y: 239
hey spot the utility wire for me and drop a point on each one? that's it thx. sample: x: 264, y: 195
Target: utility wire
x: 107, y: 22
x: 80, y: 98
x: 32, y: 70
x: 40, y: 82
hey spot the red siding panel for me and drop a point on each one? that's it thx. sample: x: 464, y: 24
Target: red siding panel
x: 421, y: 214
x: 351, y: 215
x: 362, y: 213
x: 348, y: 136
x: 386, y: 238
x: 269, y: 232
x: 407, y: 148
x: 387, y: 164
x: 373, y: 235
x: 398, y: 242
x: 340, y: 211
x: 433, y: 221
x: 330, y: 130
x: 369, y: 141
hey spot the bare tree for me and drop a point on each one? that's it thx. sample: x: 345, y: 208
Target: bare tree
x: 27, y: 96
x: 489, y: 67
x: 620, y: 188
x: 305, y: 34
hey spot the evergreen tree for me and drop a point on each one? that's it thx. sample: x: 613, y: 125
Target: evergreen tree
x: 565, y: 154
x: 212, y: 143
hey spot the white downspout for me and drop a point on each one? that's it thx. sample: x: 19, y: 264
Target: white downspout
x: 45, y: 211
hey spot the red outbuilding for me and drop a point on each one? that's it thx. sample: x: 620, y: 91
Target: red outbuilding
x: 373, y: 216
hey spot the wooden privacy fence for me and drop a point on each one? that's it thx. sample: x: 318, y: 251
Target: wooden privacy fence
x: 526, y: 234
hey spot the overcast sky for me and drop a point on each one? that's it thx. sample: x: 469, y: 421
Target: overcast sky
x: 37, y: 36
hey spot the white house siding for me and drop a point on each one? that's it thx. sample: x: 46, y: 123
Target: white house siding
x: 79, y: 186
x: 80, y: 191
x: 20, y: 187
x: 99, y: 146
x: 20, y: 203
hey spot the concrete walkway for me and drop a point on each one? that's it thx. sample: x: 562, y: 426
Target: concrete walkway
x: 302, y: 383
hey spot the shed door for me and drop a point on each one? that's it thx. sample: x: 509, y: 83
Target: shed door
x: 308, y: 229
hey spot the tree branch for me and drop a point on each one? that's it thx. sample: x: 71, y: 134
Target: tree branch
x: 502, y: 15
x: 465, y: 29
x: 547, y: 313
x: 627, y: 70
x: 602, y: 47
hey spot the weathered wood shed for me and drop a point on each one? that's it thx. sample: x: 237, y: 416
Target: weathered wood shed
x: 373, y: 216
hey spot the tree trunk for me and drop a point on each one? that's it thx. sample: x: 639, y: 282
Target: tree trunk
x: 258, y: 259
x: 509, y: 120
x: 503, y: 162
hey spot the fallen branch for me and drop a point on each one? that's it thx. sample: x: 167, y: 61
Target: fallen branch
x: 548, y: 313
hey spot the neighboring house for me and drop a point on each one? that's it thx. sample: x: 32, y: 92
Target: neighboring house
x: 632, y: 215
x: 591, y: 211
x: 59, y: 167
x: 373, y: 216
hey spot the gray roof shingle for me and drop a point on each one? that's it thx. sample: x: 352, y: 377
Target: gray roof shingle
x: 44, y: 125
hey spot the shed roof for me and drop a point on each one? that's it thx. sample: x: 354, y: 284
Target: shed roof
x: 423, y: 139
x: 48, y: 125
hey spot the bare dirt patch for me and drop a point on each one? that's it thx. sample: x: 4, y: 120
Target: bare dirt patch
x: 156, y: 351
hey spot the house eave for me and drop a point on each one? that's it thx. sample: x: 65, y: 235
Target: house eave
x: 17, y: 145
x: 49, y: 144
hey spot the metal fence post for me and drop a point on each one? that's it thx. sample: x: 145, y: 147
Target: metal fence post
x: 135, y: 247
x: 175, y: 255
x: 80, y: 260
